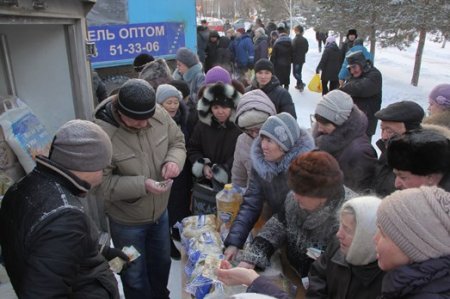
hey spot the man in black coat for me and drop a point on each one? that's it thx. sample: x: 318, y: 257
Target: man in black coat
x: 299, y: 49
x: 396, y: 119
x: 365, y: 87
x: 49, y: 245
x: 282, y: 56
x: 349, y: 42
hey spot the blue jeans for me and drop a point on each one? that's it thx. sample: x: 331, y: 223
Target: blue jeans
x: 148, y: 275
x: 297, y: 72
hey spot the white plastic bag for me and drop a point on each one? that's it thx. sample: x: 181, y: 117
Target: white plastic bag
x: 24, y: 133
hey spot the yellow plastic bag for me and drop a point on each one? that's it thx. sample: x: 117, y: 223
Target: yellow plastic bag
x: 315, y: 84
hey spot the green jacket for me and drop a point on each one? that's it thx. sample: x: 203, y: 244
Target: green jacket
x: 137, y: 155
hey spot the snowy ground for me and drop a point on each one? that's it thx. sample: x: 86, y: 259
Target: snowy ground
x: 396, y: 67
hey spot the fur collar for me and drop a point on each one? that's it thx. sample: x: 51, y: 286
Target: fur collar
x: 268, y: 170
x: 441, y: 119
x: 343, y: 135
x: 224, y: 93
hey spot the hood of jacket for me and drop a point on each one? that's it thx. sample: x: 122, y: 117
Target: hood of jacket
x: 217, y: 92
x: 267, y: 170
x: 259, y: 101
x: 354, y: 127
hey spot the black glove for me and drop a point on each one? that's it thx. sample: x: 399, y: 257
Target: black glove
x: 109, y: 253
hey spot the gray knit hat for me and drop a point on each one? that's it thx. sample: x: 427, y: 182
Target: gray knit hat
x: 335, y: 106
x: 187, y: 57
x: 81, y: 145
x: 362, y: 250
x: 136, y: 99
x: 417, y: 220
x: 166, y: 91
x: 283, y: 129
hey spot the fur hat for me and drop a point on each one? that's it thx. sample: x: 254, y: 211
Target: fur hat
x: 315, y: 174
x: 352, y: 32
x: 253, y: 109
x: 441, y: 95
x: 217, y: 94
x: 182, y: 86
x: 166, y: 91
x: 356, y: 57
x: 141, y: 60
x: 407, y: 112
x: 283, y: 129
x: 218, y: 74
x: 136, y: 99
x: 187, y: 57
x: 214, y: 33
x: 81, y: 145
x: 420, y: 152
x: 364, y: 209
x: 156, y: 72
x: 335, y: 107
x: 264, y: 64
x: 417, y: 220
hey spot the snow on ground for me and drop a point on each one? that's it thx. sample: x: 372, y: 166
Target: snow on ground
x: 396, y: 68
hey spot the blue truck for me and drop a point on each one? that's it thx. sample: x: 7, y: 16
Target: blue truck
x: 123, y: 29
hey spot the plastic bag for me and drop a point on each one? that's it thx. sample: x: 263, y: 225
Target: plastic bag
x: 24, y: 133
x: 315, y: 84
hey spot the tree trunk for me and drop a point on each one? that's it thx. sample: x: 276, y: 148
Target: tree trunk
x: 418, y: 60
x: 445, y: 41
x: 373, y: 42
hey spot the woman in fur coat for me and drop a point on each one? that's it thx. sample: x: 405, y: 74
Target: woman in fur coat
x: 280, y: 140
x: 340, y: 130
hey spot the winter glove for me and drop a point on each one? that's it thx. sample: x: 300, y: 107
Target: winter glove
x: 109, y: 253
x: 220, y: 174
x: 197, y: 168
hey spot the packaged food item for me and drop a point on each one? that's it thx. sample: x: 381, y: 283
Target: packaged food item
x: 228, y: 202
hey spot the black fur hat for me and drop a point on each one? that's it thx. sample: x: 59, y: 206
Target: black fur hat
x: 156, y: 73
x: 420, y: 152
x: 217, y: 94
x: 352, y: 32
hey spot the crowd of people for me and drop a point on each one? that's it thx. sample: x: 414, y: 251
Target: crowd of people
x: 381, y: 224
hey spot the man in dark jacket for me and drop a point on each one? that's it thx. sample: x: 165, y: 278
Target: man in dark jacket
x: 48, y: 241
x: 299, y: 49
x: 348, y: 44
x: 364, y: 86
x: 282, y: 56
x: 243, y: 52
x: 396, y: 119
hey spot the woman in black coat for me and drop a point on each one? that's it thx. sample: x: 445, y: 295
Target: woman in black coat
x: 270, y: 85
x: 330, y: 64
x: 211, y: 146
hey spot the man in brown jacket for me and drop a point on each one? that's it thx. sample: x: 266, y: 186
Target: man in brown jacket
x: 148, y: 151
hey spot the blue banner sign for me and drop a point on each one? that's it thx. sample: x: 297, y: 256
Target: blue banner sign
x: 121, y: 42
